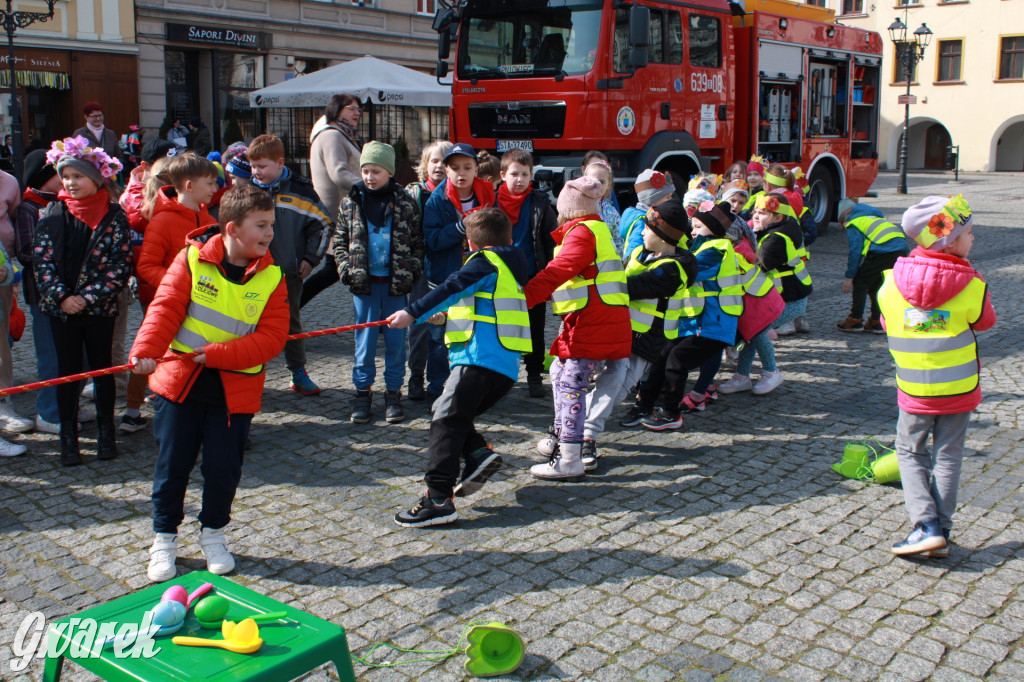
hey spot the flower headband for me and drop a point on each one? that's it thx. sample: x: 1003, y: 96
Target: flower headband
x: 801, y: 180
x: 767, y: 202
x: 757, y: 158
x: 956, y: 211
x: 77, y: 147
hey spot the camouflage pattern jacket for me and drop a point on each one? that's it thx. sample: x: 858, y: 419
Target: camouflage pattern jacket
x: 352, y: 242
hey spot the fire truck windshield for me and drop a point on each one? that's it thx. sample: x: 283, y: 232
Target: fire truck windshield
x: 518, y: 39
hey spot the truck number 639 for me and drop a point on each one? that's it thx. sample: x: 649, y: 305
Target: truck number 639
x: 702, y: 82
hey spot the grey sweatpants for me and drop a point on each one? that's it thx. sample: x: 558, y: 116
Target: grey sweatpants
x: 618, y: 378
x: 930, y: 481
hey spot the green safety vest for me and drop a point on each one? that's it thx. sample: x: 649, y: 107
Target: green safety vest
x: 684, y: 302
x: 935, y: 351
x: 511, y: 317
x: 756, y: 282
x: 220, y: 310
x: 750, y: 201
x: 875, y: 231
x: 794, y: 261
x: 730, y: 277
x: 639, y: 220
x: 610, y: 281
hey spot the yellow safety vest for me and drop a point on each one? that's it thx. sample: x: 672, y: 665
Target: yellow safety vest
x: 610, y: 281
x: 220, y: 310
x: 756, y: 282
x: 730, y: 277
x: 682, y: 303
x: 639, y: 220
x: 794, y: 261
x: 750, y: 201
x: 935, y: 351
x: 511, y: 316
x: 875, y: 231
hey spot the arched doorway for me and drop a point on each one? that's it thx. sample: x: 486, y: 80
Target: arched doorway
x: 936, y: 141
x: 1010, y: 148
x: 926, y: 147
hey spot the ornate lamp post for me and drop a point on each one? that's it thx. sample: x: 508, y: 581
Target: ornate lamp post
x: 12, y: 21
x: 909, y: 53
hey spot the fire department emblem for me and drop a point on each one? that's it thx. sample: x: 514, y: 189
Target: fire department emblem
x: 625, y: 121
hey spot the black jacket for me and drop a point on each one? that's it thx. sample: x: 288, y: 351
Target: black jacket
x: 771, y: 255
x: 660, y: 283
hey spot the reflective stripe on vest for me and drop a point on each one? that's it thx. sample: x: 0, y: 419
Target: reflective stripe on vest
x: 875, y: 231
x: 730, y: 277
x: 220, y: 310
x: 794, y: 262
x: 610, y: 281
x: 757, y: 283
x: 511, y: 318
x: 643, y: 312
x: 935, y: 351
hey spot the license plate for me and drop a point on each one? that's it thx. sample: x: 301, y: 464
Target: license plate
x: 525, y: 145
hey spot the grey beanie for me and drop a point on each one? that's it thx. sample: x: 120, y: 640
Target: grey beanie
x: 85, y: 167
x: 652, y: 185
x: 845, y: 206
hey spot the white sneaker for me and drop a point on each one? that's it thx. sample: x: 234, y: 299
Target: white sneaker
x: 86, y: 415
x: 162, y: 556
x: 768, y: 383
x: 43, y: 426
x: 567, y: 466
x: 11, y: 449
x: 738, y: 383
x: 802, y: 325
x: 88, y: 391
x: 12, y: 421
x: 787, y: 329
x: 546, y: 446
x: 215, y: 548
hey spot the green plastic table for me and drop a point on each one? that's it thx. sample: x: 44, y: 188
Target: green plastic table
x: 291, y: 647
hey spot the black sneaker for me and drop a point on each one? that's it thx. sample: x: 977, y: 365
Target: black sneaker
x: 478, y: 469
x: 428, y: 513
x: 535, y: 384
x: 635, y: 415
x: 588, y: 453
x: 132, y: 424
x: 393, y: 412
x: 662, y: 420
x: 415, y: 391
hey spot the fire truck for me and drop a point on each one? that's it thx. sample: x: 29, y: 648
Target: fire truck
x: 681, y: 86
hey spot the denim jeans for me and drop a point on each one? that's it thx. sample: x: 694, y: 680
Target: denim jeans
x: 46, y: 364
x: 377, y: 305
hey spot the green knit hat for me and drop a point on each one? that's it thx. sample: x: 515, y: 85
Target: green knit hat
x: 379, y: 153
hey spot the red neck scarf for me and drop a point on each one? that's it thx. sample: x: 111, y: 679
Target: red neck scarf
x: 36, y: 197
x: 510, y: 203
x: 482, y: 190
x: 90, y: 210
x: 430, y: 185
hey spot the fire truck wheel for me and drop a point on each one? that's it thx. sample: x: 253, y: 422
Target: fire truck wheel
x: 820, y: 198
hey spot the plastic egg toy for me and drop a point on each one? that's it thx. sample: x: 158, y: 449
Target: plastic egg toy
x: 176, y: 593
x: 212, y: 608
x: 168, y: 613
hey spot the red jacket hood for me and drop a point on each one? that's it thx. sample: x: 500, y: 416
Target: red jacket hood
x: 211, y: 250
x: 927, y: 279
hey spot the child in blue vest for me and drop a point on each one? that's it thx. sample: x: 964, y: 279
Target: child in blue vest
x: 652, y: 188
x: 488, y: 328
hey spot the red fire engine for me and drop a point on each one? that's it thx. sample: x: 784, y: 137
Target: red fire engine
x: 680, y: 86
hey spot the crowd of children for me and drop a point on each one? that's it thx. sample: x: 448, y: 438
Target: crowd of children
x: 216, y: 252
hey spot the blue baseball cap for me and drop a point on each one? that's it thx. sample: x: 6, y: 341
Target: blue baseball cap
x: 460, y: 149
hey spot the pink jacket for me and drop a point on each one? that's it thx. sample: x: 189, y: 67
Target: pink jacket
x: 758, y: 312
x: 927, y: 279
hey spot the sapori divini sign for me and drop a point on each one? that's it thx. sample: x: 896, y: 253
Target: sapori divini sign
x: 218, y: 35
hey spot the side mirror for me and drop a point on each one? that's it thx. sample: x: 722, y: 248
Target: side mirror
x: 442, y: 68
x: 639, y: 27
x: 443, y: 19
x: 638, y: 58
x: 444, y: 44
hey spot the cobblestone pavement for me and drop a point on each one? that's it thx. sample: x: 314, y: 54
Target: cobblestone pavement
x: 727, y: 550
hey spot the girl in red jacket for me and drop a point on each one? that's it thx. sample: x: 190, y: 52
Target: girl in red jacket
x: 586, y: 281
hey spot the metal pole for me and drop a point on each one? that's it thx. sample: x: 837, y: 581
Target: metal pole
x: 16, y: 135
x: 908, y: 64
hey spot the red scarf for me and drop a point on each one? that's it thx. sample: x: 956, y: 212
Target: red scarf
x: 35, y: 196
x: 482, y: 190
x: 510, y: 203
x: 430, y: 185
x: 91, y: 210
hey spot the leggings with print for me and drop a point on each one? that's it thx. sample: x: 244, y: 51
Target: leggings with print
x: 571, y: 378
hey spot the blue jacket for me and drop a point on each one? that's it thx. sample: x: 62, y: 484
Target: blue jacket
x: 636, y: 238
x: 443, y: 235
x: 483, y: 349
x: 712, y: 323
x: 855, y: 238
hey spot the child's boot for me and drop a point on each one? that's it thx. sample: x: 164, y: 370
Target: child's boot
x: 106, y: 443
x: 215, y: 548
x: 415, y: 389
x: 548, y: 445
x: 69, y: 454
x: 588, y: 454
x: 162, y: 556
x: 850, y: 324
x: 566, y: 465
x: 393, y: 412
x: 361, y: 406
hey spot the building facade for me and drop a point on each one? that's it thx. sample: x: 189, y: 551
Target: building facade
x: 86, y: 52
x: 969, y: 86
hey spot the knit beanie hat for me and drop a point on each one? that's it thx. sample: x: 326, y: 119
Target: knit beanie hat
x: 669, y: 221
x: 86, y: 168
x: 735, y: 187
x: 695, y: 197
x: 846, y: 205
x: 580, y: 197
x: 936, y: 222
x: 37, y: 171
x: 652, y: 185
x: 717, y: 217
x: 239, y: 165
x: 379, y: 153
x: 158, y: 149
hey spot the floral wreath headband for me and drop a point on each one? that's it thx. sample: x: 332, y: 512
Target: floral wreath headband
x: 955, y: 213
x: 767, y: 202
x: 77, y: 147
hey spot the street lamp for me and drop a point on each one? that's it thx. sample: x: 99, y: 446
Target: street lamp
x: 910, y: 53
x: 12, y: 21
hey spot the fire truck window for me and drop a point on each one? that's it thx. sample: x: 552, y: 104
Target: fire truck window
x: 674, y: 38
x: 655, y: 43
x: 705, y: 41
x: 620, y: 58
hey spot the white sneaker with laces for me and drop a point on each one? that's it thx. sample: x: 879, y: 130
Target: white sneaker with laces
x: 11, y: 420
x: 787, y: 329
x: 215, y: 548
x: 162, y: 556
x: 738, y: 383
x: 768, y: 383
x: 11, y: 449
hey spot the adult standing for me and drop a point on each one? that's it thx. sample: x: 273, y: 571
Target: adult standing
x: 178, y: 134
x: 97, y: 133
x: 334, y: 150
x: 199, y: 139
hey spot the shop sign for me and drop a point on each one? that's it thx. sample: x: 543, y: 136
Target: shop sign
x: 37, y: 60
x: 217, y: 35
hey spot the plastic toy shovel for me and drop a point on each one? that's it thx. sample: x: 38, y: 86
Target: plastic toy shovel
x: 243, y: 638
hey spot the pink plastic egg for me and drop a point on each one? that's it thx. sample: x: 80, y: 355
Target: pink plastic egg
x: 176, y: 593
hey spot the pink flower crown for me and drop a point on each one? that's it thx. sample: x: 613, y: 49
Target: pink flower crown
x: 78, y: 147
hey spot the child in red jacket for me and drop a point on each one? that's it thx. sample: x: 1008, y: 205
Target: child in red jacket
x: 587, y: 285
x: 222, y: 296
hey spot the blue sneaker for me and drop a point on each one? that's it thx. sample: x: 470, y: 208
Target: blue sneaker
x: 942, y: 552
x: 302, y: 383
x: 925, y: 537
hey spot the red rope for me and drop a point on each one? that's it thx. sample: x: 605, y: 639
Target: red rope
x: 183, y: 356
